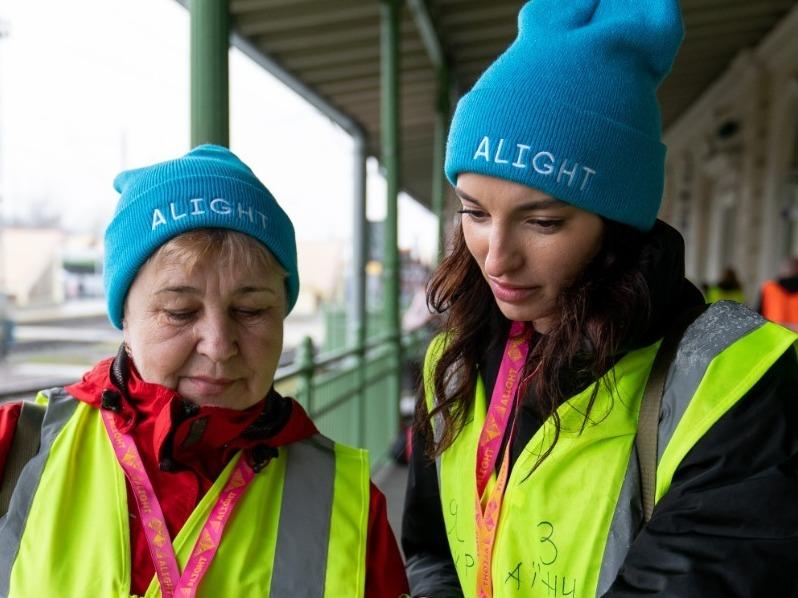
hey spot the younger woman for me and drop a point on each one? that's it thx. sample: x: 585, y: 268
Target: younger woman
x: 544, y: 459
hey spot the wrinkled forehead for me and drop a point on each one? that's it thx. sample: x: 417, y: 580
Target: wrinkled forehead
x: 228, y: 249
x: 231, y: 258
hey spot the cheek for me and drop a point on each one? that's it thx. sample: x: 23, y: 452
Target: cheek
x: 476, y: 243
x: 159, y: 357
x: 261, y: 356
x: 263, y: 344
x: 566, y: 260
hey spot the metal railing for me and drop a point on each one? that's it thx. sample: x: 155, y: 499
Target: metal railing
x: 347, y: 392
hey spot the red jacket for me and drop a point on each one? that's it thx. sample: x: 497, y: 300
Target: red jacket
x: 161, y: 424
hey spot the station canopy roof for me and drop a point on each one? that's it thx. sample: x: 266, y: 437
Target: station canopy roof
x: 332, y: 47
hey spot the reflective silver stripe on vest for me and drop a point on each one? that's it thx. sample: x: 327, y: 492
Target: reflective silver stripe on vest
x: 300, y: 559
x: 438, y: 462
x: 60, y: 408
x: 625, y: 525
x: 724, y: 323
x: 437, y: 421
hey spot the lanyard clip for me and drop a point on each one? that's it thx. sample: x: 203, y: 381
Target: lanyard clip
x: 260, y: 455
x: 111, y: 400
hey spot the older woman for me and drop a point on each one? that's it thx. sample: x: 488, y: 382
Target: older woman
x: 175, y: 468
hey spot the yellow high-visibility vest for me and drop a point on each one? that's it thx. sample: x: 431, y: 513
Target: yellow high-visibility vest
x: 566, y: 527
x: 299, y: 530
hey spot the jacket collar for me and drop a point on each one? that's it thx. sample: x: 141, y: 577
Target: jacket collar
x: 177, y: 433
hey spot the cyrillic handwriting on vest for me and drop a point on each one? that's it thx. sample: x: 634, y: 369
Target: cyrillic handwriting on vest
x: 547, y: 529
x: 463, y: 561
x: 467, y: 561
x: 523, y: 577
x: 454, y: 508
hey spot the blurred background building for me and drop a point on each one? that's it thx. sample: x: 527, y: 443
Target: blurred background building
x: 732, y: 170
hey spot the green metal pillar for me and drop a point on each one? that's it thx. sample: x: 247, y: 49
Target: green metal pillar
x: 304, y: 388
x: 432, y: 43
x: 356, y: 307
x: 358, y: 327
x: 389, y: 96
x: 439, y: 154
x: 210, y: 85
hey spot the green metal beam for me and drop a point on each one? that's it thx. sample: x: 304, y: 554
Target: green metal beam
x: 427, y: 31
x: 389, y: 12
x: 432, y: 43
x: 210, y: 85
x: 358, y: 323
x: 358, y: 330
x: 389, y: 59
x: 439, y: 154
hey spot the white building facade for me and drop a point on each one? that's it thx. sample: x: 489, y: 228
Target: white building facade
x: 732, y: 167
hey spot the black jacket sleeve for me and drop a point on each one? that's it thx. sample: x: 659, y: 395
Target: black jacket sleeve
x: 430, y: 569
x: 728, y: 526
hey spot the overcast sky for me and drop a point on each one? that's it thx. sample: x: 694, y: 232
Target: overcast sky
x: 90, y: 87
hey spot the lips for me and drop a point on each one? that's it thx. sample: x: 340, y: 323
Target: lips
x: 510, y: 293
x: 206, y: 385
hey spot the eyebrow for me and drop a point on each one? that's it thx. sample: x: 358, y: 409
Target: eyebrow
x: 195, y: 291
x: 539, y: 204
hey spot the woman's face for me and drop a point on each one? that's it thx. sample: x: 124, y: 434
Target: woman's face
x: 212, y: 333
x: 529, y: 246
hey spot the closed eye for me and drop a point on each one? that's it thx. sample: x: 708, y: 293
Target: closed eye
x: 473, y: 214
x: 249, y: 313
x: 180, y: 315
x: 546, y: 224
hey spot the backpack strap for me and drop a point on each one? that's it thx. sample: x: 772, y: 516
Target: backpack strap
x: 648, y: 421
x: 24, y: 446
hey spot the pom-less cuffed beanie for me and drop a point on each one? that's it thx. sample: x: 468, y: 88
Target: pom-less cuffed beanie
x: 209, y: 187
x: 570, y: 108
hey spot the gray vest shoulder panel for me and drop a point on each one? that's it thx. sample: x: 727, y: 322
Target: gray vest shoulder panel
x: 724, y: 323
x: 60, y: 408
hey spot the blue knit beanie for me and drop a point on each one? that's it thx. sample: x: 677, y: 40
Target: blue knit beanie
x: 570, y: 108
x: 209, y: 187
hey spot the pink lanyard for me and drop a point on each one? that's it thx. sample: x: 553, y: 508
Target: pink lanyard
x: 500, y: 411
x: 154, y: 523
x: 502, y: 403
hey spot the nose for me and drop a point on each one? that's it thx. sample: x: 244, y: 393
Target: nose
x: 504, y: 255
x: 216, y: 337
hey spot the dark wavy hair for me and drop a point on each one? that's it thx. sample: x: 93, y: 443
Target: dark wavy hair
x: 602, y: 309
